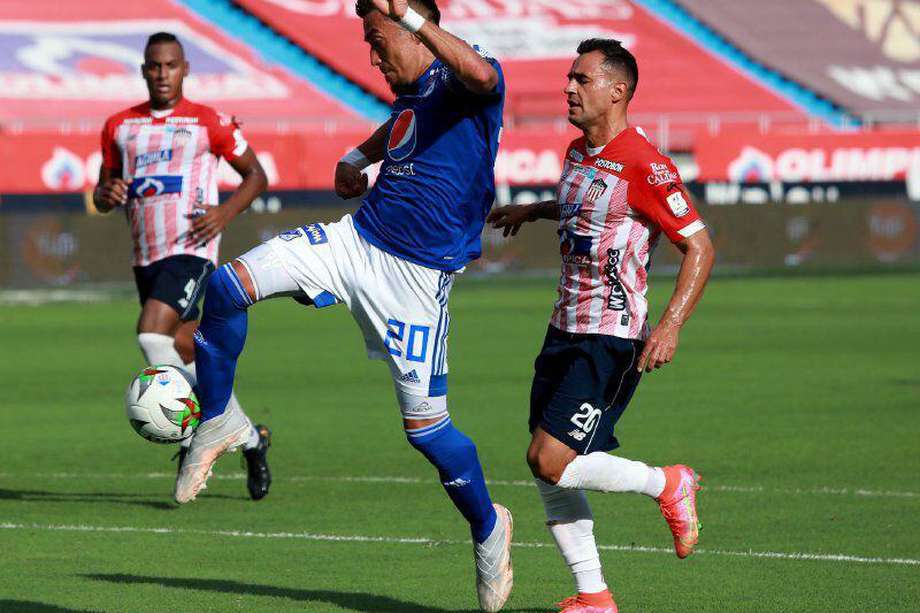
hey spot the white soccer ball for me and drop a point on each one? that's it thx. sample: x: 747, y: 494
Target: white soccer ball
x: 161, y: 404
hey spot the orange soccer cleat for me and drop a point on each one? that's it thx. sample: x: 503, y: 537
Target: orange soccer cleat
x: 678, y: 505
x: 601, y: 602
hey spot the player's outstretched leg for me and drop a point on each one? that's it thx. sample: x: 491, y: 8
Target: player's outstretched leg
x: 673, y: 487
x: 455, y: 457
x: 569, y: 519
x: 218, y: 344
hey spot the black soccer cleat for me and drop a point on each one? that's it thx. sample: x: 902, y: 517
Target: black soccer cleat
x: 258, y: 478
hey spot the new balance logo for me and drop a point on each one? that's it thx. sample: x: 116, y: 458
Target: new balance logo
x: 578, y: 435
x: 315, y: 234
x: 458, y: 482
x: 410, y: 377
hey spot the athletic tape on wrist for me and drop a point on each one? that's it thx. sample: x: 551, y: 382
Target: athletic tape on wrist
x: 356, y: 159
x: 412, y: 20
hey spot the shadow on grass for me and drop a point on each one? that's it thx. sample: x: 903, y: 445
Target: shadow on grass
x: 94, y: 497
x: 26, y: 606
x: 356, y: 601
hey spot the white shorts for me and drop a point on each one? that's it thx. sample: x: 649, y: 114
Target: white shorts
x: 400, y: 307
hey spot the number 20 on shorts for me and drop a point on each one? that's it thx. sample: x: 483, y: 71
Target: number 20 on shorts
x: 415, y: 343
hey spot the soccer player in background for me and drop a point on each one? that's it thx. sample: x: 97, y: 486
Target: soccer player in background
x: 392, y: 263
x: 159, y: 162
x: 616, y: 196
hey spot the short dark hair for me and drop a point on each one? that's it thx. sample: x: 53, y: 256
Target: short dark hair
x: 429, y: 9
x: 163, y: 37
x: 616, y: 56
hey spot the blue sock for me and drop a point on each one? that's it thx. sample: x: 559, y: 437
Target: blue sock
x: 220, y: 339
x: 454, y: 455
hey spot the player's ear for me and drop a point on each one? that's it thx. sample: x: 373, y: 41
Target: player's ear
x: 619, y: 91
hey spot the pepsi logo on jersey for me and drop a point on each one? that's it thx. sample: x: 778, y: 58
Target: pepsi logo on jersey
x: 402, y: 136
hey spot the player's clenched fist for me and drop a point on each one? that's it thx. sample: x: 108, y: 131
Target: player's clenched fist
x: 110, y: 193
x: 349, y: 181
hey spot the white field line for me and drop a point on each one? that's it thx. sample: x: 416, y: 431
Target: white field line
x: 309, y: 536
x: 739, y: 489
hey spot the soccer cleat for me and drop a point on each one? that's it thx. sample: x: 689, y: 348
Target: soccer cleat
x: 258, y: 477
x: 678, y: 505
x: 494, y: 574
x: 212, y: 439
x: 602, y: 602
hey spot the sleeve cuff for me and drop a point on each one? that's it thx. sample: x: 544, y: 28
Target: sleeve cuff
x: 690, y: 230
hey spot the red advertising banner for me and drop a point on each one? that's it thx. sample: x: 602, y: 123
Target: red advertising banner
x: 37, y: 163
x: 750, y: 157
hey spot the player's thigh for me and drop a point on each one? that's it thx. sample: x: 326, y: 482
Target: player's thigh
x: 305, y: 263
x: 402, y: 312
x: 158, y: 317
x: 581, y: 386
x: 179, y: 283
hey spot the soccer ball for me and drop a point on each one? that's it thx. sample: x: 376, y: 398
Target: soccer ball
x: 161, y: 404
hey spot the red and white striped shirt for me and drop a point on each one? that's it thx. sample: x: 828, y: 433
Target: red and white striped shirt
x: 614, y: 204
x: 170, y: 159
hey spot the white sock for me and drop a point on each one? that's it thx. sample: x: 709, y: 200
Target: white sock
x: 253, y: 441
x: 603, y: 472
x: 571, y: 523
x: 159, y: 348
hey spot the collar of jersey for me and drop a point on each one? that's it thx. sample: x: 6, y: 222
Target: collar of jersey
x: 422, y: 81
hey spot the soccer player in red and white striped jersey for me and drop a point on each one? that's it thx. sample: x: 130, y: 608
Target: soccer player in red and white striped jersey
x: 159, y: 162
x: 617, y: 195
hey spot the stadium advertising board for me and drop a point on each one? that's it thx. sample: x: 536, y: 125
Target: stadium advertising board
x: 746, y: 157
x: 55, y: 163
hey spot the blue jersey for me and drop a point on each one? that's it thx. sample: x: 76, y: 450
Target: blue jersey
x: 437, y: 181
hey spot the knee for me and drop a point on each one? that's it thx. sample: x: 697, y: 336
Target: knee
x: 226, y: 292
x: 546, y: 465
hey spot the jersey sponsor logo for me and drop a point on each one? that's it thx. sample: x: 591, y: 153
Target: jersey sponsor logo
x: 678, y: 204
x: 661, y: 174
x: 154, y: 157
x: 575, y: 248
x: 401, y: 170
x: 597, y: 189
x: 155, y: 185
x: 315, y: 234
x: 576, y: 155
x: 181, y: 120
x: 402, y: 136
x: 614, y: 166
x: 616, y: 300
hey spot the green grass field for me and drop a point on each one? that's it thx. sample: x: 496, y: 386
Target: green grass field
x: 798, y: 399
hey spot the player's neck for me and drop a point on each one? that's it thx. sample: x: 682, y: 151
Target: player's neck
x: 166, y: 106
x: 604, y: 132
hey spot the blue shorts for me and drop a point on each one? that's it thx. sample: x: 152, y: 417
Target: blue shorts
x: 581, y: 385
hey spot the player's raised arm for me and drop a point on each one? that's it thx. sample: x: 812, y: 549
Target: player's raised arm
x: 350, y: 180
x: 207, y: 226
x: 510, y: 218
x: 476, y: 74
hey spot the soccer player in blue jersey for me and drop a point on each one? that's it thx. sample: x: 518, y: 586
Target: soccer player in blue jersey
x: 392, y: 263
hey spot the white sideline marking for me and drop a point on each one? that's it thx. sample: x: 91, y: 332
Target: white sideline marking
x: 740, y: 489
x: 308, y: 536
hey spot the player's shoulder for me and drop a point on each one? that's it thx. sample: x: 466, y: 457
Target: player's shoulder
x: 132, y: 112
x: 641, y: 156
